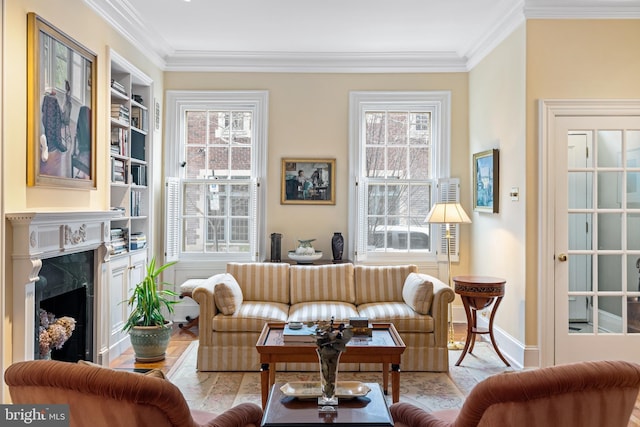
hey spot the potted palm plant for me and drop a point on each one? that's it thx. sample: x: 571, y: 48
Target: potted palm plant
x: 147, y: 327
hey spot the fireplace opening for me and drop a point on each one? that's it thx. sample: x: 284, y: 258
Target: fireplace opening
x: 65, y: 288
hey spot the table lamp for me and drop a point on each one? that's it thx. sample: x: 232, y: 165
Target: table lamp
x: 448, y: 213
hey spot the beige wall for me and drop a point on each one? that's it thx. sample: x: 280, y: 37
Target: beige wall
x: 308, y: 117
x: 497, y: 120
x: 79, y: 22
x: 570, y: 59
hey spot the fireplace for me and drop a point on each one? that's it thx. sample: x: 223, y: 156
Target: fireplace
x: 60, y: 263
x: 65, y: 288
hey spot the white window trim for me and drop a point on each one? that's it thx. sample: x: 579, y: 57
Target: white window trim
x: 178, y: 102
x: 439, y: 102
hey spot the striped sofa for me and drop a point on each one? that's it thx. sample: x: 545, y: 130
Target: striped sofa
x: 279, y: 292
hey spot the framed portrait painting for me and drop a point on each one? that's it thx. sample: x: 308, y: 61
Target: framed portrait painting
x: 486, y: 181
x: 61, y: 115
x: 308, y: 182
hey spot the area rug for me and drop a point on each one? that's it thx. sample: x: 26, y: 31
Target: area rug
x: 218, y: 391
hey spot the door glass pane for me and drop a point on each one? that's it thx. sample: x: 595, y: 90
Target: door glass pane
x: 609, y: 231
x: 633, y: 231
x: 580, y: 273
x: 610, y: 314
x: 580, y: 231
x: 580, y: 321
x: 609, y: 148
x: 609, y: 273
x: 580, y: 190
x: 633, y: 315
x: 609, y: 190
x: 579, y: 153
x: 633, y: 273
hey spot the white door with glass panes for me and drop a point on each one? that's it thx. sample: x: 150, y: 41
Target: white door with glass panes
x: 597, y: 238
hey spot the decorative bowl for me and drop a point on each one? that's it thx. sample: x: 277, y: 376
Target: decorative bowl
x: 305, y: 259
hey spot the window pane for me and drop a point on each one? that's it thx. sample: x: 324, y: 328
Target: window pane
x: 398, y: 124
x: 397, y: 162
x: 375, y: 162
x: 193, y: 235
x: 196, y: 128
x: 219, y: 127
x: 240, y: 162
x: 216, y: 238
x: 217, y: 200
x: 239, y: 200
x: 375, y: 128
x: 419, y: 163
x: 241, y: 128
x: 218, y: 163
x: 376, y: 200
x: 420, y: 130
x: 196, y: 163
x: 193, y: 199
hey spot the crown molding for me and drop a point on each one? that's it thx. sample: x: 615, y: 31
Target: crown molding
x: 317, y: 62
x: 586, y: 9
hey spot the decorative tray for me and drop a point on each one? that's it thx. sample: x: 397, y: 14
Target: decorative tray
x: 311, y: 390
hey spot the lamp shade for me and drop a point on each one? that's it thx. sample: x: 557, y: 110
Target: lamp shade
x: 447, y: 213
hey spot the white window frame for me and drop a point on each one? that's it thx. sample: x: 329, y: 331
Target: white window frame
x: 178, y: 102
x: 436, y: 102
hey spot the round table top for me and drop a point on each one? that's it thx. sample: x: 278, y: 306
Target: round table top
x: 479, y: 280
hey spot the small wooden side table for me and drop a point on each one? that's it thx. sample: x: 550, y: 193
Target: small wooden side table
x: 477, y: 293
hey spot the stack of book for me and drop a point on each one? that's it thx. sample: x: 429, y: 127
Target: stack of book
x: 119, y: 141
x: 306, y: 334
x: 139, y: 118
x: 117, y: 86
x: 120, y: 112
x: 118, y: 241
x: 118, y: 171
x: 139, y: 174
x: 137, y: 241
x: 136, y: 201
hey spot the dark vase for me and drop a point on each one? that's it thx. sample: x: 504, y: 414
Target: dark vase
x: 276, y: 246
x: 337, y: 246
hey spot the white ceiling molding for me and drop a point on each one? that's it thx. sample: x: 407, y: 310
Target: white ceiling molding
x: 507, y: 25
x: 587, y: 9
x: 314, y: 62
x: 126, y: 20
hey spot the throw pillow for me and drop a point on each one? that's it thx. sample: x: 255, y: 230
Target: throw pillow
x: 417, y: 292
x: 227, y: 294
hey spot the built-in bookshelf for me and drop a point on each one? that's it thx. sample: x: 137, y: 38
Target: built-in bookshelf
x: 131, y: 95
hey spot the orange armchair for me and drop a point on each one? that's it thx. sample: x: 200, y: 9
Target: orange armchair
x: 100, y: 397
x: 586, y: 394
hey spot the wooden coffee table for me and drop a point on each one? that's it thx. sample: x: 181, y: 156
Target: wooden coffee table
x: 385, y: 346
x: 286, y: 411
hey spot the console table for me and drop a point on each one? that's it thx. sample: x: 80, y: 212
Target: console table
x: 477, y: 293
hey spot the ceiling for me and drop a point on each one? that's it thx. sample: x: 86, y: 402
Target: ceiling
x: 333, y: 35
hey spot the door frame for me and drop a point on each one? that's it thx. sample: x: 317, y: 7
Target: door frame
x: 548, y: 111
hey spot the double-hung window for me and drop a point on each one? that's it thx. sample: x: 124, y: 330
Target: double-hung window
x: 399, y: 150
x: 215, y: 166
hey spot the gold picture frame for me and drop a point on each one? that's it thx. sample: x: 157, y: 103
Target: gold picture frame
x: 486, y: 183
x: 308, y: 182
x: 61, y: 108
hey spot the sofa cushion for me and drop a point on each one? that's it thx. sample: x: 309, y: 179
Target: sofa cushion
x: 403, y: 317
x: 313, y: 311
x: 262, y: 281
x: 251, y: 317
x: 227, y: 293
x: 331, y: 282
x: 380, y: 283
x: 418, y: 292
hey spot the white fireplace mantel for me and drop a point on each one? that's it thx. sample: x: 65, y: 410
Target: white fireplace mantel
x: 42, y: 235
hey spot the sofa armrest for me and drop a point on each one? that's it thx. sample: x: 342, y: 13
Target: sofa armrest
x: 443, y: 295
x: 203, y: 295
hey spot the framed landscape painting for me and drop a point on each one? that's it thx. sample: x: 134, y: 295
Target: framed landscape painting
x: 308, y: 182
x: 61, y: 109
x: 485, y: 181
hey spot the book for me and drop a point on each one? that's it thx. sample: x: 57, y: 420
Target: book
x: 306, y: 334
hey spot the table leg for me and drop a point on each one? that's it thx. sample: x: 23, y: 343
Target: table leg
x: 264, y: 383
x: 470, y: 325
x: 385, y: 377
x: 493, y: 340
x: 395, y: 383
x: 474, y: 317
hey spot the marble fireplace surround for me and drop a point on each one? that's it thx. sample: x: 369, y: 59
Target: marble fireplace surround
x: 42, y: 235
